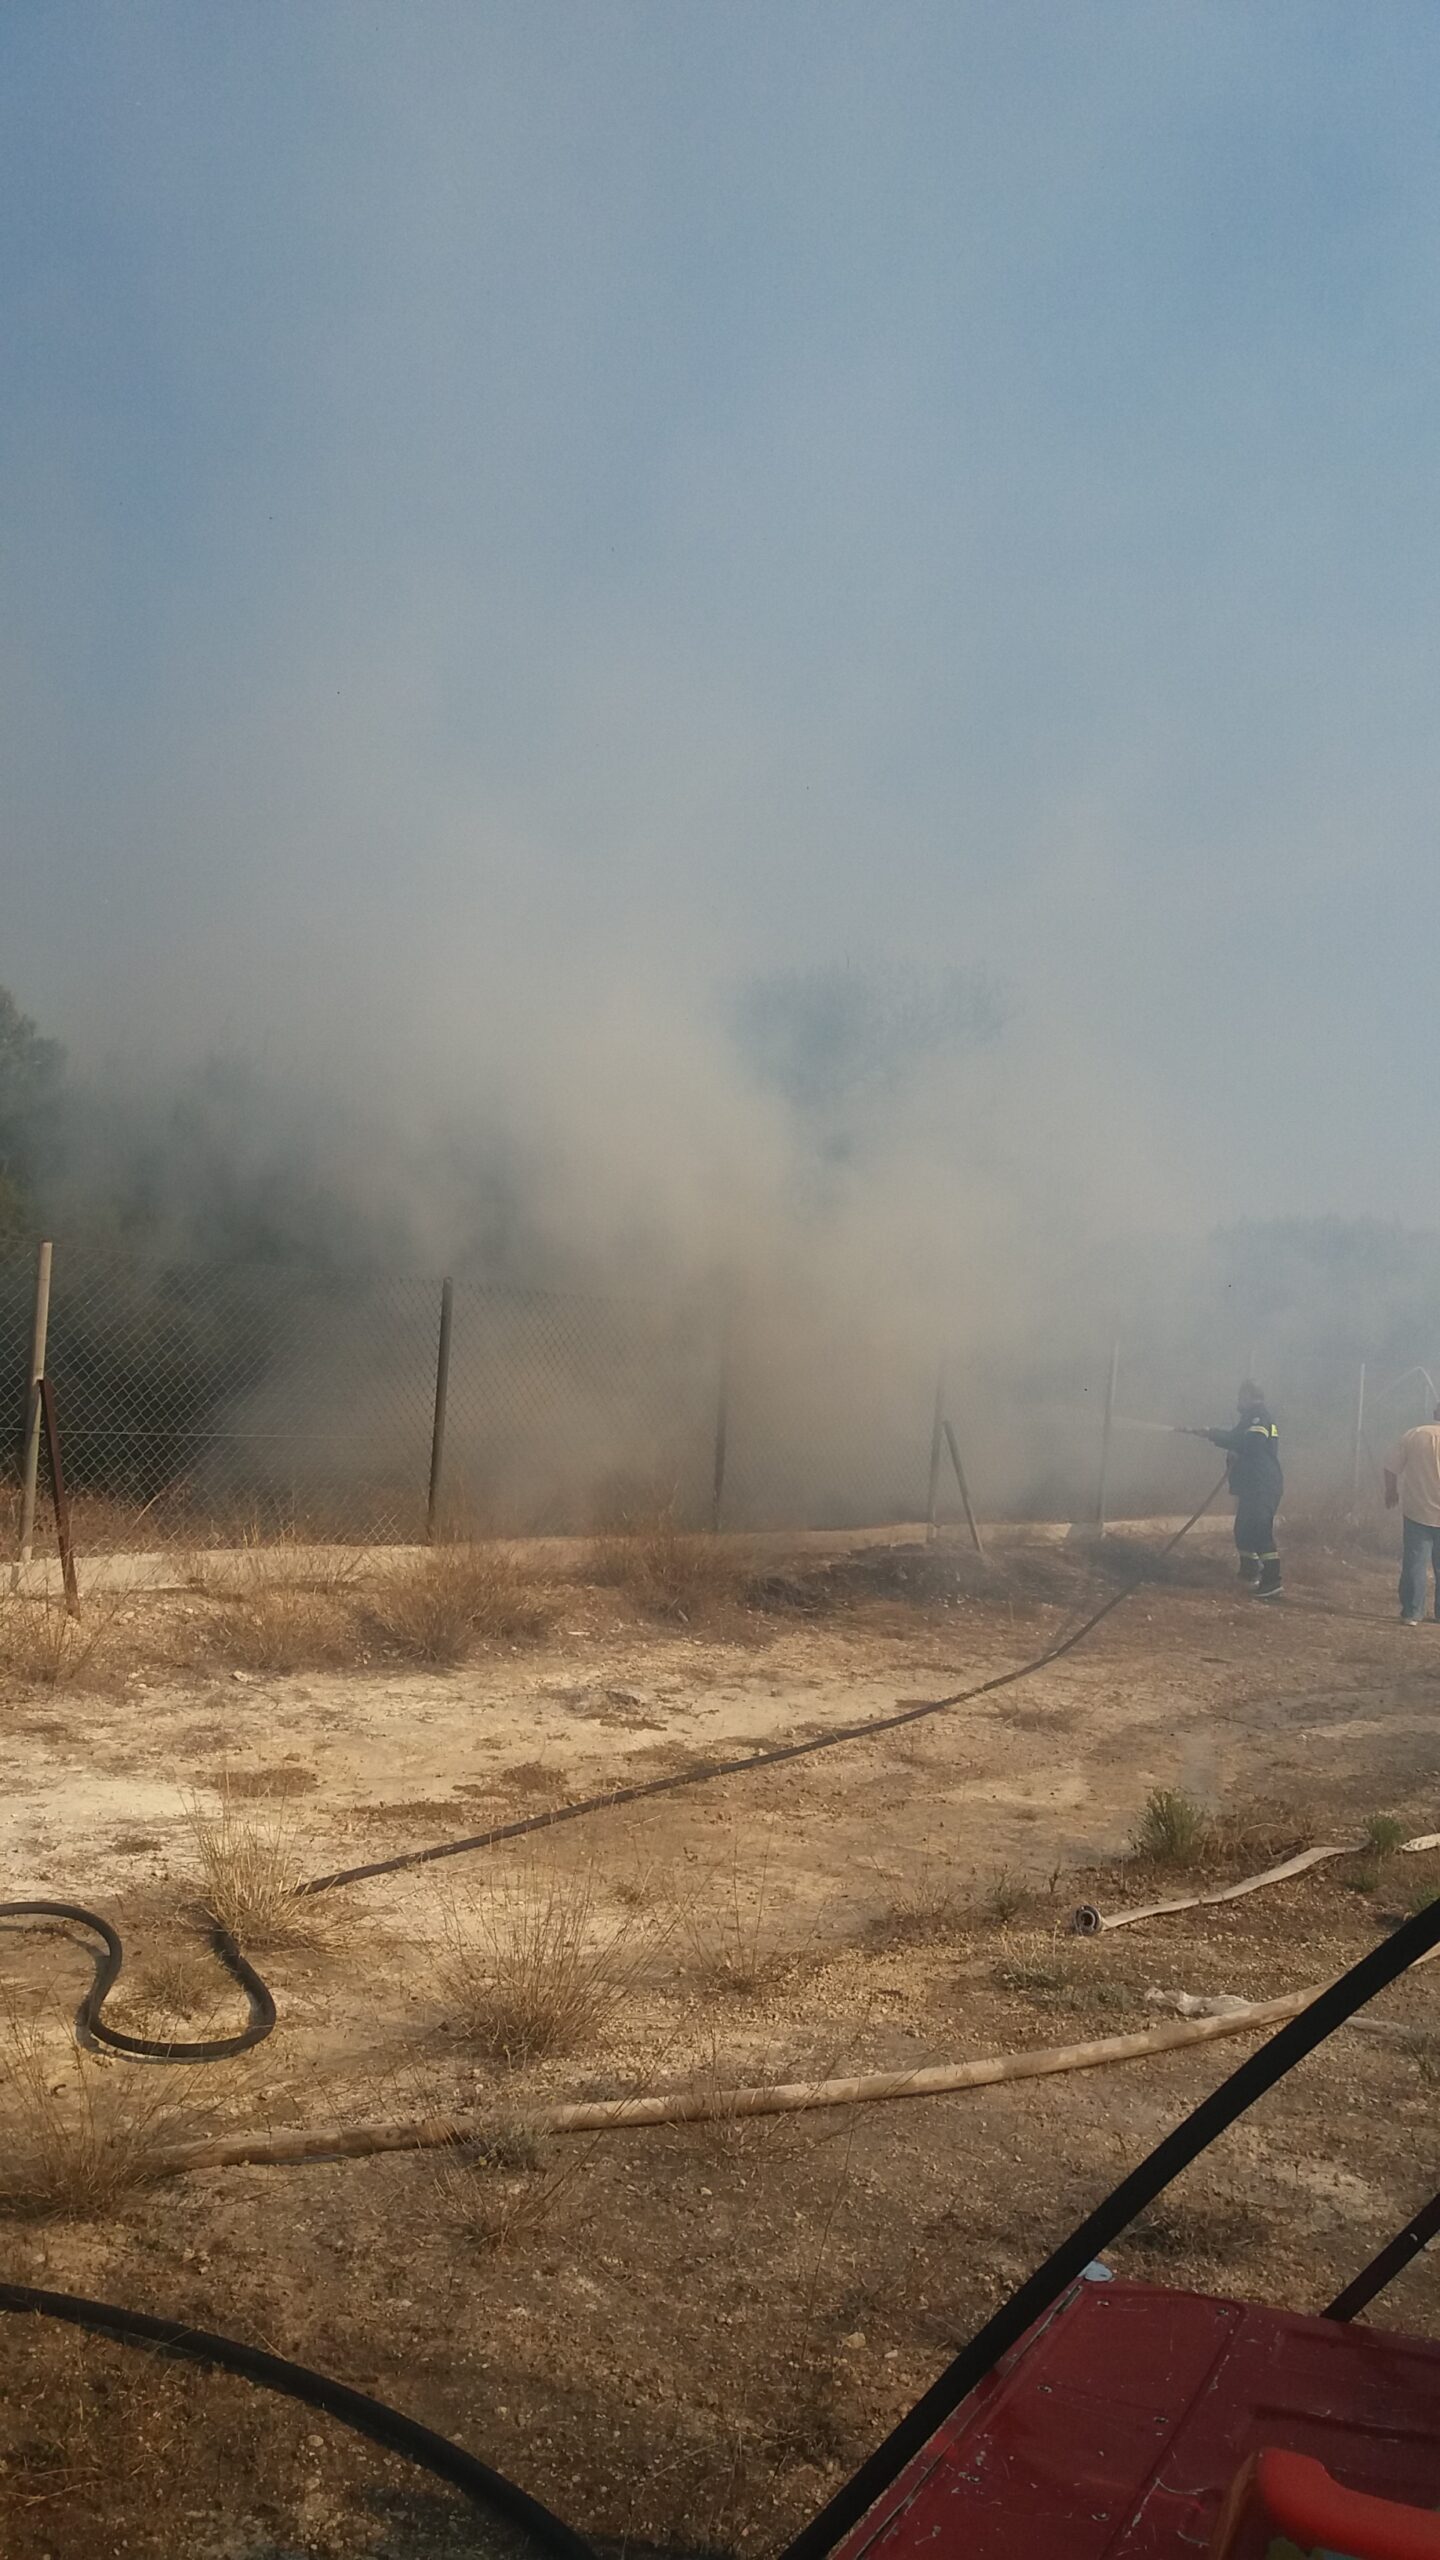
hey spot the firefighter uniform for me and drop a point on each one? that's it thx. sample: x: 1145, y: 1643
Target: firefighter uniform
x: 1252, y: 1471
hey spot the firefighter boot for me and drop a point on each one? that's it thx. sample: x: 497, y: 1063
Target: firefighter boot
x: 1250, y: 1570
x: 1268, y: 1587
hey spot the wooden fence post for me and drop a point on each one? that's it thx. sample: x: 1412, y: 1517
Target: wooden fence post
x: 30, y: 1447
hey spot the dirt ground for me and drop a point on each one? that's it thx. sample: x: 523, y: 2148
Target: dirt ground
x: 683, y: 2338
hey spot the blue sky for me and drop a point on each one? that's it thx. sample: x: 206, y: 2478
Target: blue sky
x: 518, y: 514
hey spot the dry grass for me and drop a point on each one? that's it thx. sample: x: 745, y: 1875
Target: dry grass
x: 252, y: 1859
x: 1004, y: 1897
x: 666, y: 1572
x: 169, y: 1993
x: 734, y: 1938
x: 279, y: 1562
x: 1172, y: 1830
x: 926, y: 1912
x: 437, y: 1607
x: 78, y: 2134
x: 500, y: 2189
x: 278, y: 1607
x: 106, y: 2450
x: 94, y: 2425
x: 282, y: 1629
x: 285, y: 1607
x: 535, y: 1967
x: 42, y: 1646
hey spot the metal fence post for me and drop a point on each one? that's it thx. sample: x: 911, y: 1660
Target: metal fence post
x: 442, y: 1397
x: 1359, y: 1437
x: 30, y: 1458
x: 958, y: 1464
x: 936, y: 1428
x: 1109, y: 1425
x: 722, y: 1424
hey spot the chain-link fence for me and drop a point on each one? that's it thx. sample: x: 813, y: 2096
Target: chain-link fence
x: 236, y: 1400
x: 215, y: 1403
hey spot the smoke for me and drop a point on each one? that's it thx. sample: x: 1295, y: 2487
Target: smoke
x: 771, y: 657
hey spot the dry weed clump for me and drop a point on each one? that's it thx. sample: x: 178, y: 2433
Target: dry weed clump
x: 44, y: 1647
x: 536, y: 1967
x: 252, y: 1859
x: 501, y: 2187
x: 926, y: 1912
x: 1172, y: 1831
x: 435, y: 1607
x: 278, y: 1606
x: 80, y: 2135
x: 666, y: 1572
x: 735, y: 1940
x: 286, y: 1628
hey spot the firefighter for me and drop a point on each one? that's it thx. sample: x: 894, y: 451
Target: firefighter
x: 1252, y: 1471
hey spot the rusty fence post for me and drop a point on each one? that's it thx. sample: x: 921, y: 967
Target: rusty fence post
x: 61, y: 1500
x: 956, y: 1462
x: 30, y: 1444
x: 442, y: 1399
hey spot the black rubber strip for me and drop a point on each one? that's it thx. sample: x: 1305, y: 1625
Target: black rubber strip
x: 355, y: 2409
x: 1040, y: 2291
x: 91, y: 2025
x: 1387, y: 2263
x: 702, y: 1771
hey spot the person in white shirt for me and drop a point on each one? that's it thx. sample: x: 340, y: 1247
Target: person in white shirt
x: 1412, y: 1483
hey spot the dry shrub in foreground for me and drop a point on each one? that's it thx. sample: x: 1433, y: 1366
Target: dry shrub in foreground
x: 41, y: 1643
x: 734, y: 1939
x: 666, y: 1571
x: 284, y: 1628
x: 253, y: 1858
x: 1172, y: 1831
x: 278, y: 1606
x: 501, y: 2188
x: 928, y: 1911
x: 434, y: 1607
x: 79, y: 2135
x: 535, y: 1967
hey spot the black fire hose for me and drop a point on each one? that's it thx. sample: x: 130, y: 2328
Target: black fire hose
x: 262, y: 2006
x: 383, y: 2425
x: 89, y: 2024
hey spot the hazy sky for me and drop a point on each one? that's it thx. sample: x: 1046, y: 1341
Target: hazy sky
x: 518, y: 513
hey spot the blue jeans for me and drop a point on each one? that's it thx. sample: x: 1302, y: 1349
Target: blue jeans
x: 1420, y: 1551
